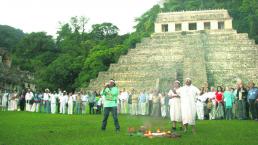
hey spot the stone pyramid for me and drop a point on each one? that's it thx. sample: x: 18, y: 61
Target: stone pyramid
x: 203, y: 49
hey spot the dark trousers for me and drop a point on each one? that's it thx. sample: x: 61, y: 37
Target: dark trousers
x: 228, y: 113
x: 253, y: 108
x: 22, y: 105
x: 242, y: 109
x: 150, y: 107
x: 58, y: 107
x: 91, y: 105
x: 113, y: 110
x: 98, y: 111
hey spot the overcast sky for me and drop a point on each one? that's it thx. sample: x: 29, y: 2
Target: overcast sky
x: 44, y: 15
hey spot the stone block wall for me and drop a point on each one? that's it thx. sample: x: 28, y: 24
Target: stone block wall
x: 213, y: 56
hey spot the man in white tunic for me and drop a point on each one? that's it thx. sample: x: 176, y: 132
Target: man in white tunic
x: 188, y: 94
x: 63, y: 101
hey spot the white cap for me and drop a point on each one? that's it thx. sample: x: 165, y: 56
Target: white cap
x: 188, y: 79
x: 177, y: 82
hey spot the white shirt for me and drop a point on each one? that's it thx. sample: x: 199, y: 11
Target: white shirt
x: 100, y: 101
x: 46, y: 96
x: 28, y: 96
x: 84, y: 98
x: 124, y: 96
x: 64, y: 99
x: 53, y: 98
x: 150, y: 96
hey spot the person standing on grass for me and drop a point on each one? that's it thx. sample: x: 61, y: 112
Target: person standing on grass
x: 156, y: 110
x: 92, y: 99
x: 110, y: 94
x: 46, y: 99
x: 142, y: 103
x: 70, y: 104
x: 253, y: 100
x: 175, y: 105
x: 53, y: 102
x: 242, y: 101
x: 5, y: 101
x: 134, y: 102
x: 219, y: 103
x: 84, y: 102
x: 150, y: 96
x: 163, y: 105
x: 124, y: 99
x: 188, y: 94
x: 130, y: 103
x: 28, y: 98
x: 78, y: 103
x: 228, y: 99
x: 22, y: 100
x: 63, y: 100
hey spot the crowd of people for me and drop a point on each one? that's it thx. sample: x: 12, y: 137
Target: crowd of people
x: 51, y: 102
x: 183, y: 103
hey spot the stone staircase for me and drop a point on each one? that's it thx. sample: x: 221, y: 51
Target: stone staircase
x: 216, y: 56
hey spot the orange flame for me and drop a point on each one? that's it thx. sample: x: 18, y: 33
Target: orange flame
x: 149, y: 132
x: 158, y: 130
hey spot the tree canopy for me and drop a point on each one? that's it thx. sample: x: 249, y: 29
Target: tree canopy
x: 76, y: 56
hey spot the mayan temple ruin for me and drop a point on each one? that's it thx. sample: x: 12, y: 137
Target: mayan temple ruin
x: 12, y: 78
x: 201, y: 45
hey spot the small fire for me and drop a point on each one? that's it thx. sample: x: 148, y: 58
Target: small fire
x: 158, y: 130
x: 148, y: 133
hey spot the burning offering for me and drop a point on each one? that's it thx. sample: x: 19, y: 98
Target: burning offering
x: 148, y: 133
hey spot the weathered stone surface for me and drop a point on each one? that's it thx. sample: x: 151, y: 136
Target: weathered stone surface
x: 213, y: 56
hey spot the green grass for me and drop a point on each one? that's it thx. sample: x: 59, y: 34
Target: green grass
x: 24, y: 128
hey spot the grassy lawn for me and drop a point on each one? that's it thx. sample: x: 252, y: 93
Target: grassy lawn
x: 23, y: 128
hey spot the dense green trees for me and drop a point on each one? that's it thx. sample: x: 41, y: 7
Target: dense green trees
x: 10, y: 36
x: 76, y: 56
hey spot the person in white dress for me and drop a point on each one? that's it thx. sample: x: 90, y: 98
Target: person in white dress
x: 28, y: 98
x: 123, y: 99
x: 200, y: 101
x: 53, y: 98
x: 188, y: 94
x: 162, y: 105
x: 5, y: 101
x: 211, y: 105
x: 175, y: 105
x: 14, y: 101
x: 70, y: 104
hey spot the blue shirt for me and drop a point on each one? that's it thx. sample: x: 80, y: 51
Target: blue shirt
x: 253, y: 93
x: 142, y: 98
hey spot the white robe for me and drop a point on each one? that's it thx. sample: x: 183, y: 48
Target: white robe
x: 28, y: 97
x: 53, y: 103
x: 5, y: 100
x: 63, y: 101
x: 200, y: 106
x: 175, y: 107
x: 188, y: 96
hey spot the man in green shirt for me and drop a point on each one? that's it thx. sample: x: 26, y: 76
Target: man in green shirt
x: 110, y: 93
